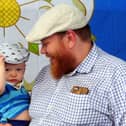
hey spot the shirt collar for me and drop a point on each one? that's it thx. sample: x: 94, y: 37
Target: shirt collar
x: 87, y: 64
x: 18, y: 86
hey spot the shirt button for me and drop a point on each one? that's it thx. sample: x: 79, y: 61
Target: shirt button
x: 50, y: 107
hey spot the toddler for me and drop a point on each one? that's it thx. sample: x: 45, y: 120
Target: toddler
x: 14, y: 99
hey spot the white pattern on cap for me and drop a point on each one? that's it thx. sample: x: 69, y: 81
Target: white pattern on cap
x: 14, y: 53
x: 57, y: 19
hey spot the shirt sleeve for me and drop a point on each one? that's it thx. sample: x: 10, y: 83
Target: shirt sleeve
x: 118, y: 98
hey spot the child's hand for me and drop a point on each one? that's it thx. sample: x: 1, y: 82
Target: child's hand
x: 2, y: 63
x: 2, y: 60
x: 2, y: 76
x: 7, y: 124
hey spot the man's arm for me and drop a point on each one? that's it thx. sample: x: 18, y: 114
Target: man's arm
x: 118, y: 97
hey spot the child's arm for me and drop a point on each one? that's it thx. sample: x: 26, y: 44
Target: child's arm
x: 7, y: 124
x: 2, y: 74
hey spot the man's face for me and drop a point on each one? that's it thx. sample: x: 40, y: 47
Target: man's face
x: 61, y: 59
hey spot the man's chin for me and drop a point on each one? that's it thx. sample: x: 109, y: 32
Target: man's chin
x: 55, y: 70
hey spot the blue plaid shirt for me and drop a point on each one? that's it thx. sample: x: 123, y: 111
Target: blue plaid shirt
x: 104, y: 75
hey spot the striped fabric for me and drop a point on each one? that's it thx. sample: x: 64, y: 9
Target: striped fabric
x: 13, y: 102
x: 53, y: 104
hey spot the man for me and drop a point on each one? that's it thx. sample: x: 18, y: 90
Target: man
x: 83, y: 85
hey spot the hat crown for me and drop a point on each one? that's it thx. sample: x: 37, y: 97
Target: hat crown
x: 60, y: 18
x: 14, y: 53
x: 90, y: 9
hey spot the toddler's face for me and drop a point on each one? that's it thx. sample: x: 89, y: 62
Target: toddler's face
x: 14, y: 72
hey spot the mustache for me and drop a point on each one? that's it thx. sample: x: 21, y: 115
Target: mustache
x: 48, y: 55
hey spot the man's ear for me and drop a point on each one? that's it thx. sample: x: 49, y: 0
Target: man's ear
x: 71, y: 36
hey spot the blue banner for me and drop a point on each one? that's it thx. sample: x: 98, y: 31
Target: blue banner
x: 108, y: 24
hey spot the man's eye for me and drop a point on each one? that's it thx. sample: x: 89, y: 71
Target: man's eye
x: 44, y: 45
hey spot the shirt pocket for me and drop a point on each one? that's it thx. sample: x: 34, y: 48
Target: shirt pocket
x: 79, y: 109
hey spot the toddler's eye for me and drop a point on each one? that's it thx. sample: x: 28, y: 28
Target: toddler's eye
x: 6, y: 69
x: 18, y: 69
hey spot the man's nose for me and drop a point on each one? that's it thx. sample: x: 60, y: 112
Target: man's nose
x: 43, y: 50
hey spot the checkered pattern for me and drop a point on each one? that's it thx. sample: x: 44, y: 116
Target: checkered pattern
x: 53, y: 104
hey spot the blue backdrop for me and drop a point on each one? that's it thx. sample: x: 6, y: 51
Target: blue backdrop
x: 108, y: 24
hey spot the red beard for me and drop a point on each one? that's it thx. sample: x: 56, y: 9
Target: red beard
x: 62, y: 64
